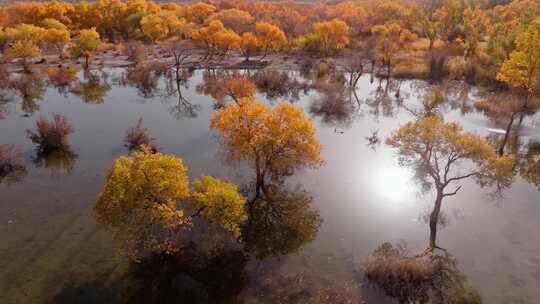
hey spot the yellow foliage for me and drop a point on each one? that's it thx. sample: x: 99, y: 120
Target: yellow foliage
x: 219, y: 202
x: 139, y: 200
x: 434, y: 147
x: 248, y: 44
x: 270, y: 36
x: 198, y: 12
x: 522, y: 69
x: 333, y: 35
x: 274, y: 141
x: 162, y: 25
x: 86, y: 44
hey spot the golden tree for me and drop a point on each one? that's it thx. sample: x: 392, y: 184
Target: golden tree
x: 475, y: 23
x: 140, y: 201
x: 249, y: 44
x: 443, y: 154
x: 238, y: 88
x: 219, y: 202
x: 522, y: 69
x: 235, y: 19
x: 391, y: 38
x: 144, y: 197
x: 198, y: 12
x: 86, y: 44
x: 333, y: 35
x: 270, y: 36
x: 57, y: 35
x: 162, y: 25
x: 274, y: 141
x: 25, y: 38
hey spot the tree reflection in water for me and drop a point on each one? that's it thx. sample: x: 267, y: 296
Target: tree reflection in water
x: 280, y: 222
x: 144, y: 77
x: 30, y: 88
x: 12, y: 169
x: 529, y: 165
x: 93, y: 88
x: 62, y: 78
x: 279, y: 84
x: 333, y: 105
x: 174, y: 82
x: 190, y: 276
x: 57, y: 161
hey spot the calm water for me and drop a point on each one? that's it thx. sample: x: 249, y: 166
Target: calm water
x: 52, y: 251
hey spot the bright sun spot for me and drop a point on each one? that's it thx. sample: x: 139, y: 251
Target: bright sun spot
x: 394, y: 183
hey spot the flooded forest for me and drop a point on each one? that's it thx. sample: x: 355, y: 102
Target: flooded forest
x: 232, y: 151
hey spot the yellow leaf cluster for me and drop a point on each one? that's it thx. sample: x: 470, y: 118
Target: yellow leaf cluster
x: 219, y: 202
x: 275, y: 140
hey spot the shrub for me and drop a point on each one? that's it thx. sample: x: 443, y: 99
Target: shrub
x: 438, y: 66
x: 53, y: 134
x: 135, y: 51
x: 138, y: 136
x: 11, y: 164
x: 426, y: 278
x: 457, y: 67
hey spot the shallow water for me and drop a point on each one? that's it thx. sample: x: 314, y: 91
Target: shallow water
x: 52, y: 251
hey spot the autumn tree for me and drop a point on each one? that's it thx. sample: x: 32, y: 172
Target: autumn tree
x: 475, y: 23
x: 274, y: 141
x: 238, y: 88
x: 443, y: 154
x: 198, y: 12
x: 139, y: 201
x: 354, y: 14
x: 219, y: 202
x: 86, y: 44
x: 146, y: 202
x: 431, y: 27
x: 391, y: 38
x: 56, y: 35
x: 450, y: 15
x: 270, y: 36
x: 509, y: 108
x: 331, y: 35
x: 162, y: 25
x: 25, y: 40
x: 248, y: 44
x: 238, y: 20
x: 206, y: 36
x: 522, y: 69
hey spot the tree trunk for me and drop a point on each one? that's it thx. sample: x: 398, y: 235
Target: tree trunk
x: 506, y: 136
x: 434, y: 219
x: 26, y: 68
x: 86, y: 62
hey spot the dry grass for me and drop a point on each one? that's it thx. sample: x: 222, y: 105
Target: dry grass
x: 135, y: 51
x: 53, y: 134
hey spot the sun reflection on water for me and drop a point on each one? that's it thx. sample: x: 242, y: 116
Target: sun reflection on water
x: 394, y: 184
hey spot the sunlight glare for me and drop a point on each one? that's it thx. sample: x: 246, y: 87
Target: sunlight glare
x: 394, y: 183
